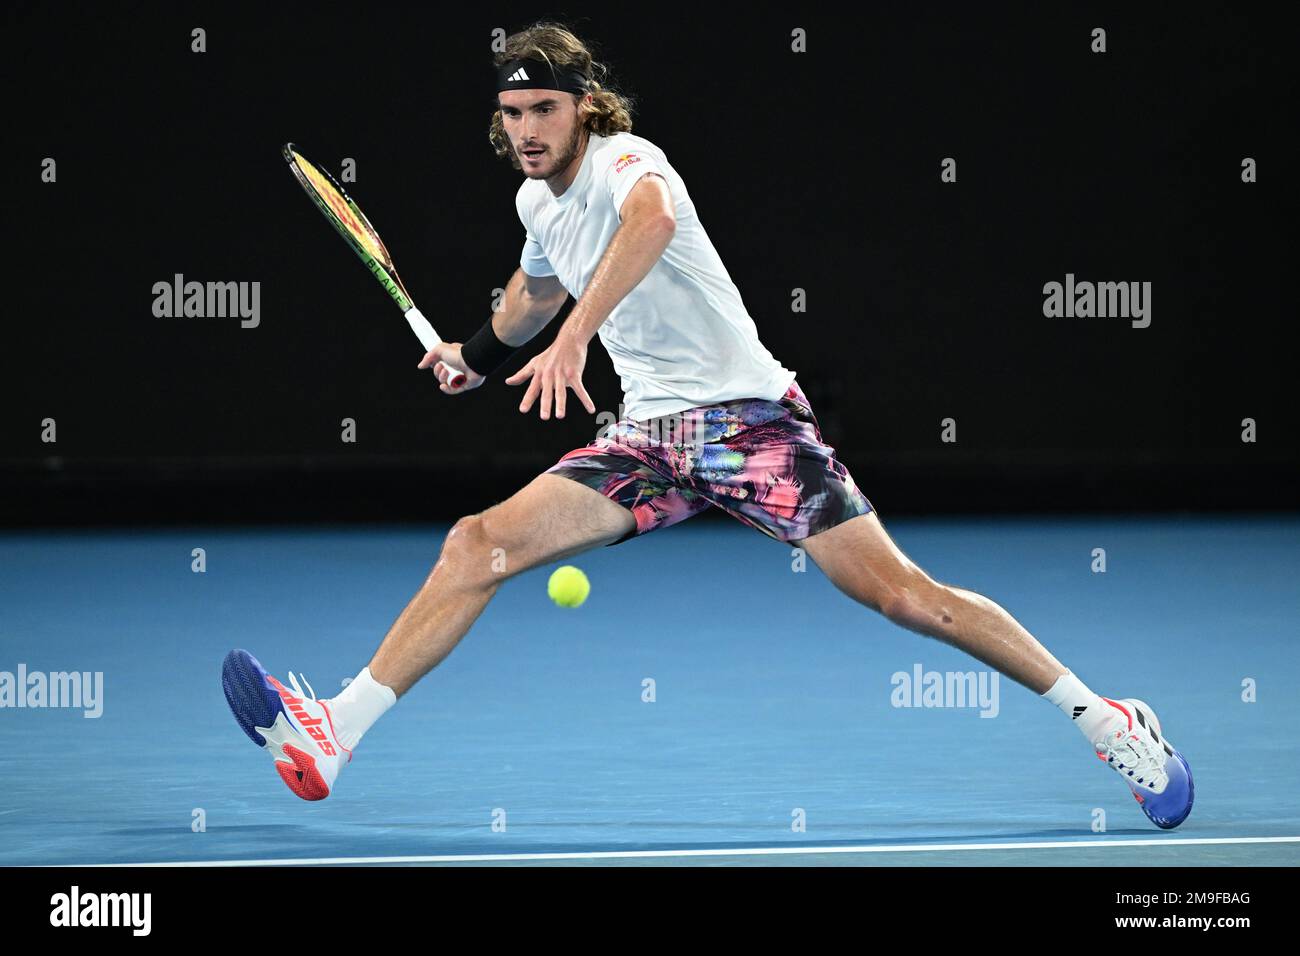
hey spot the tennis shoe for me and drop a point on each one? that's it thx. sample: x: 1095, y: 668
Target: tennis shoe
x: 293, y: 726
x: 1133, y: 745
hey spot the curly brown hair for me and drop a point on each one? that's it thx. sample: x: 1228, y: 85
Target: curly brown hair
x: 609, y: 111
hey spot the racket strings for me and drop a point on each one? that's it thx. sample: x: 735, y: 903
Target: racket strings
x: 344, y: 211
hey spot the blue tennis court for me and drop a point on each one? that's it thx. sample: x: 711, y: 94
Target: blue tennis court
x: 772, y: 737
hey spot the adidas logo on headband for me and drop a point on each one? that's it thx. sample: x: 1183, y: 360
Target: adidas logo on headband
x: 535, y: 74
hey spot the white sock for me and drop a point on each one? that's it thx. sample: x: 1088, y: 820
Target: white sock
x: 1088, y: 711
x: 356, y: 709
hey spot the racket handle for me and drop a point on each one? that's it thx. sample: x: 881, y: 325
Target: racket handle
x: 429, y: 338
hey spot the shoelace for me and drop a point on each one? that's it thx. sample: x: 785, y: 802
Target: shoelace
x: 297, y: 688
x: 311, y: 691
x: 1134, y: 756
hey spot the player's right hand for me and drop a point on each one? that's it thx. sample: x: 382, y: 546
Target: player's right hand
x: 439, y: 356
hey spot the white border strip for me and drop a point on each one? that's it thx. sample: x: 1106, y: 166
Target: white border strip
x: 738, y: 851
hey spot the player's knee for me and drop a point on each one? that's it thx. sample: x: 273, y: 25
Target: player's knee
x: 466, y: 547
x: 465, y: 532
x: 896, y: 605
x: 890, y: 591
x: 919, y: 604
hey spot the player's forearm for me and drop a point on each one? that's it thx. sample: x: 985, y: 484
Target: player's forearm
x: 522, y: 316
x: 633, y: 250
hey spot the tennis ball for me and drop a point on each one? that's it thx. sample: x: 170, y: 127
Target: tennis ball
x: 568, y: 586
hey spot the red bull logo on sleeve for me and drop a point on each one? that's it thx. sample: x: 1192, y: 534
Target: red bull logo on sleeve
x: 624, y: 161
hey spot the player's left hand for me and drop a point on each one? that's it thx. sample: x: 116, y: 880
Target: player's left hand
x: 553, y: 373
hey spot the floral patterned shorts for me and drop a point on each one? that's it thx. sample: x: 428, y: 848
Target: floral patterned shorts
x: 762, y: 462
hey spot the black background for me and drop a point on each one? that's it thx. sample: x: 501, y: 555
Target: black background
x: 817, y: 171
x: 184, y: 899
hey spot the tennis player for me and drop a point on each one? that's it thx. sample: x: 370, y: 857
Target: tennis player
x: 711, y: 419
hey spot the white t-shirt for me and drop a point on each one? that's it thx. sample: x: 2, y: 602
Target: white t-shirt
x: 682, y: 336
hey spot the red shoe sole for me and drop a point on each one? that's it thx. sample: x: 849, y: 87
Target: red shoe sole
x: 302, y: 777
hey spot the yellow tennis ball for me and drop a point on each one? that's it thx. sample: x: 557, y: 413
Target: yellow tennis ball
x: 568, y: 586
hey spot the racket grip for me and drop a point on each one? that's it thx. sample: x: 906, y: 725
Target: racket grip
x: 429, y: 338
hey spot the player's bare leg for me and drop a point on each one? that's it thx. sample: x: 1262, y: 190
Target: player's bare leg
x: 863, y: 561
x: 550, y: 518
x: 311, y: 740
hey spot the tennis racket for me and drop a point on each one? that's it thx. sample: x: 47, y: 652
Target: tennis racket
x: 353, y: 226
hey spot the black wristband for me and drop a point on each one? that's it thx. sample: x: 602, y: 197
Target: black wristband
x: 484, y: 353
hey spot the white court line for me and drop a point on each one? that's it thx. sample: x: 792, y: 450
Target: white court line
x: 738, y: 851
